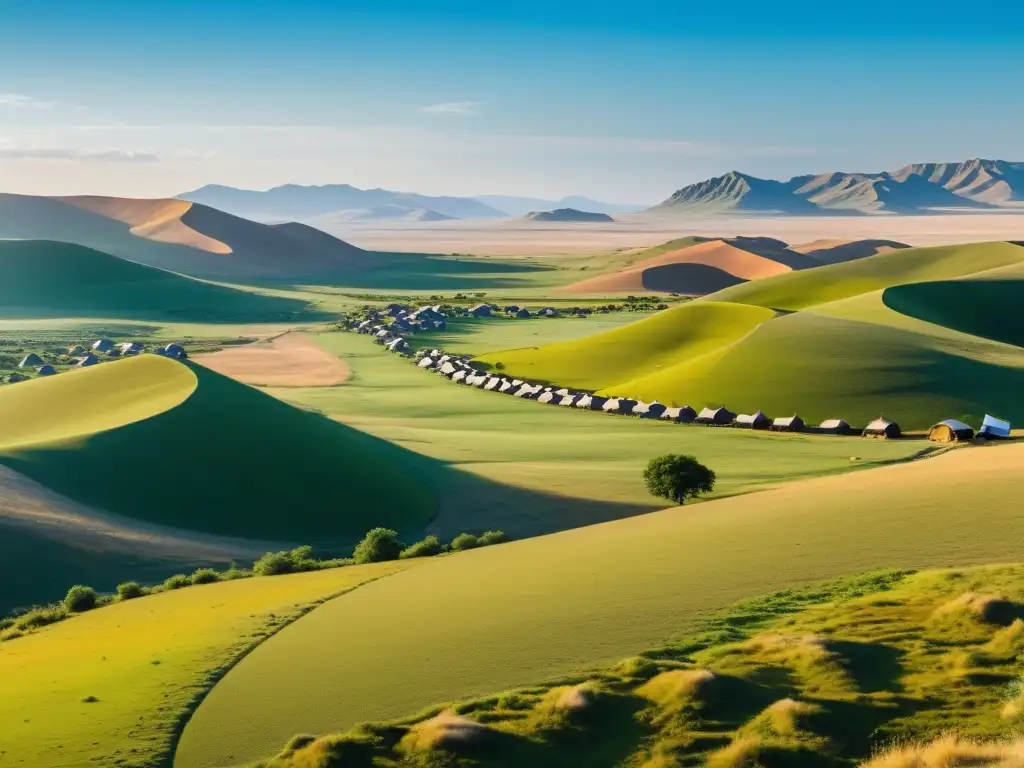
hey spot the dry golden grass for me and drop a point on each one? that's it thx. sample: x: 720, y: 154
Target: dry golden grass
x: 952, y: 752
x: 446, y: 731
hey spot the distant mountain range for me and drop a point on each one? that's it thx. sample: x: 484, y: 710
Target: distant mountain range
x: 915, y: 189
x: 341, y: 203
x: 292, y: 201
x: 180, y: 236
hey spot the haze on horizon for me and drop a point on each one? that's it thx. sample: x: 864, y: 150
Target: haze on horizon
x: 515, y: 98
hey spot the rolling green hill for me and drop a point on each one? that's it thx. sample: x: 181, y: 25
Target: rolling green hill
x: 481, y: 622
x: 680, y: 333
x: 918, y: 334
x: 41, y: 278
x: 183, y: 446
x: 799, y: 290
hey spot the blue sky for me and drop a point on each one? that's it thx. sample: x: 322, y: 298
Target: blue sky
x: 621, y: 101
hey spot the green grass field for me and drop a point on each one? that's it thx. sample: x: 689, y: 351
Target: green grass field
x: 892, y: 334
x: 825, y: 676
x: 183, y: 446
x: 145, y: 662
x: 679, y: 334
x: 540, y: 468
x: 39, y: 278
x: 523, y: 612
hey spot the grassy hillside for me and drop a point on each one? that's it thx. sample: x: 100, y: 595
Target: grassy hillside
x: 917, y: 334
x: 823, y: 677
x: 40, y: 278
x: 489, y: 620
x: 799, y: 290
x: 986, y: 308
x: 680, y: 333
x: 824, y: 367
x: 144, y: 662
x: 183, y: 446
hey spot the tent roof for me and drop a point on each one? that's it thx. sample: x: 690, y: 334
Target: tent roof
x: 879, y: 424
x: 956, y: 426
x: 787, y: 421
x: 992, y: 421
x: 833, y: 423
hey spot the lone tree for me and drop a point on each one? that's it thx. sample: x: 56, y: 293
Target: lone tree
x: 678, y: 478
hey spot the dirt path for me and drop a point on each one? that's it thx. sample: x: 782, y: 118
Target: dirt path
x: 290, y: 360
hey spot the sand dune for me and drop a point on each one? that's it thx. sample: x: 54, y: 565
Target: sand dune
x: 159, y: 220
x: 291, y: 360
x: 718, y: 254
x: 834, y: 250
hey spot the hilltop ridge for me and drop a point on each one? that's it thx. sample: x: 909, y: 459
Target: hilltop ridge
x: 913, y: 189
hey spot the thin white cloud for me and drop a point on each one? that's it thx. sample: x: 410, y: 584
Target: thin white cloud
x: 21, y: 101
x: 77, y: 155
x: 453, y: 108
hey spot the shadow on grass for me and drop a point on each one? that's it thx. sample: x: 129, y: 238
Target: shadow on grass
x: 873, y: 666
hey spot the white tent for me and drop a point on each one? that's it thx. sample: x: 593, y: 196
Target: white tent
x: 993, y: 427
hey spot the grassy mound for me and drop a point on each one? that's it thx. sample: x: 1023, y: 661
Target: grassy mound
x: 490, y: 619
x: 986, y: 308
x: 618, y: 355
x: 807, y: 288
x: 180, y: 445
x: 823, y: 367
x: 111, y: 686
x: 40, y: 278
x: 827, y: 677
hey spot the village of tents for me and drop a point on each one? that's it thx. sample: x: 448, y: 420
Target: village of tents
x: 882, y: 428
x: 950, y: 431
x: 992, y: 427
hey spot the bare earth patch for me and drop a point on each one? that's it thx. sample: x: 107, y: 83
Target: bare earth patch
x: 291, y: 360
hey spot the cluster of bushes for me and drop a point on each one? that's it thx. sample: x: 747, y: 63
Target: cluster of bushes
x: 379, y: 545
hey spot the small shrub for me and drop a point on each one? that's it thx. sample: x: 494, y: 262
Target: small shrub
x: 273, y: 564
x: 41, y: 617
x: 205, y: 576
x: 464, y: 541
x: 429, y: 547
x: 177, y: 581
x: 233, y: 573
x: 499, y: 366
x: 80, y: 598
x: 492, y: 537
x: 379, y: 545
x: 678, y: 478
x: 129, y: 590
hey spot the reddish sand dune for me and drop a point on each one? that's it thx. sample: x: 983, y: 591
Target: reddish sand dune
x: 831, y: 251
x: 719, y: 254
x: 292, y: 360
x: 158, y: 220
